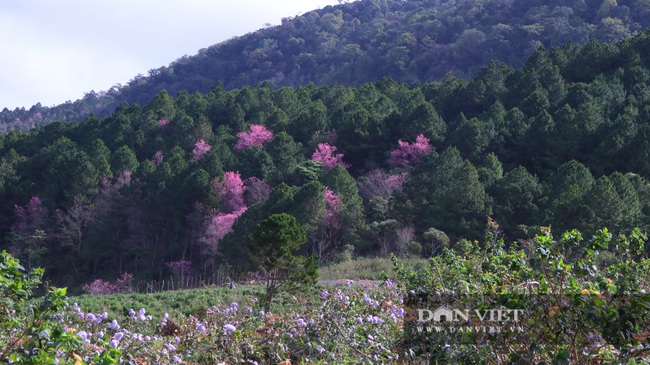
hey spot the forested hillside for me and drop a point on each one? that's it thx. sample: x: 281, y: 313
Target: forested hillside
x: 363, y: 41
x: 180, y: 183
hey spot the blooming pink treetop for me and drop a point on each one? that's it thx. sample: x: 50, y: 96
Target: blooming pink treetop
x: 200, y: 149
x: 258, y: 136
x: 332, y: 202
x: 231, y: 190
x: 219, y: 225
x: 327, y: 155
x: 409, y: 154
x: 163, y: 123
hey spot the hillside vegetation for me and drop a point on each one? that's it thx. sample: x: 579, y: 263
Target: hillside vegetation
x: 363, y: 41
x: 178, y: 186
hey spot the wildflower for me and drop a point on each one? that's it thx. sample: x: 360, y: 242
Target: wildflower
x: 114, y: 343
x: 325, y: 294
x: 131, y: 312
x: 100, y: 334
x: 249, y: 310
x: 320, y: 350
x: 90, y: 317
x: 170, y: 347
x: 113, y: 325
x: 301, y: 322
x: 234, y: 305
x: 349, y: 282
x: 118, y: 336
x: 229, y: 328
x: 177, y: 359
x: 201, y: 327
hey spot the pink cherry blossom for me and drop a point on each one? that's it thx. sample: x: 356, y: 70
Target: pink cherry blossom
x: 258, y: 136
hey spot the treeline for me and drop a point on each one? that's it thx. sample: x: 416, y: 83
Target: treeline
x: 179, y: 184
x: 350, y: 44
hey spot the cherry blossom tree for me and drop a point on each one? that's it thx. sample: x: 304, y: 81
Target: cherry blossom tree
x: 333, y: 204
x: 200, y: 149
x: 218, y: 226
x: 326, y: 154
x: 231, y: 191
x: 258, y: 136
x: 409, y: 154
x: 325, y: 237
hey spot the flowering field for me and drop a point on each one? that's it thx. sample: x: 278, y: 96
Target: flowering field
x: 575, y: 308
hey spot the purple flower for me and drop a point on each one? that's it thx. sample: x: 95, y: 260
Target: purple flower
x: 113, y: 325
x: 114, y: 343
x: 229, y: 328
x: 325, y: 294
x: 320, y: 350
x: 118, y: 336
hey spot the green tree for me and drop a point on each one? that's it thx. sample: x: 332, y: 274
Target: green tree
x: 273, y: 248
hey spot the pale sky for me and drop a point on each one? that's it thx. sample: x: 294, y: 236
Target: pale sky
x: 52, y: 51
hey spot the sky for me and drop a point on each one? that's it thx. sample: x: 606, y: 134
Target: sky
x: 52, y: 51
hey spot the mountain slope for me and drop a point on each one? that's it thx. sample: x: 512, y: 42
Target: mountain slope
x: 561, y: 142
x: 409, y: 41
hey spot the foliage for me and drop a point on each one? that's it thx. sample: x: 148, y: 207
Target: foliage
x: 562, y: 140
x: 362, y: 41
x: 573, y: 311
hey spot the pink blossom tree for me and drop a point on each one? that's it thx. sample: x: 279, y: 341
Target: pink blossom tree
x: 258, y: 136
x: 332, y: 204
x: 325, y: 237
x: 231, y: 191
x: 409, y: 154
x: 326, y: 154
x: 200, y: 149
x: 218, y: 226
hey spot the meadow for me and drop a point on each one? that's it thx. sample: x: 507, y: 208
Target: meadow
x: 585, y: 302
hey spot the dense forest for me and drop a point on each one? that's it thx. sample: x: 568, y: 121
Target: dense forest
x: 363, y: 41
x: 383, y: 167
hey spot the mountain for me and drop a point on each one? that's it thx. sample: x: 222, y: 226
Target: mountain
x: 350, y: 44
x: 370, y: 169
